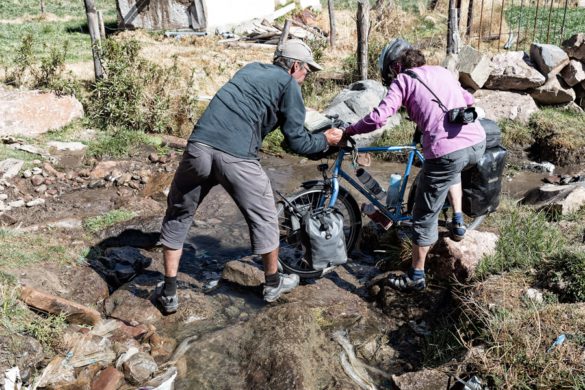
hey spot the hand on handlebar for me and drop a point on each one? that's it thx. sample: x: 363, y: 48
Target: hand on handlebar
x: 333, y: 136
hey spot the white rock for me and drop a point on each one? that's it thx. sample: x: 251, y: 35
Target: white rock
x: 534, y: 295
x: 10, y: 167
x: 17, y: 203
x: 37, y: 171
x: 26, y: 174
x: 68, y: 146
x: 3, y: 196
x: 35, y: 202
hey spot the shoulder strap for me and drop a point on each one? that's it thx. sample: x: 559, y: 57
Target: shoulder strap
x: 437, y: 100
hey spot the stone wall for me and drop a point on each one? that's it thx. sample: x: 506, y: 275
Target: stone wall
x: 513, y: 84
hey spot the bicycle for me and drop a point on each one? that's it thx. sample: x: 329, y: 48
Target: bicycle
x: 329, y: 193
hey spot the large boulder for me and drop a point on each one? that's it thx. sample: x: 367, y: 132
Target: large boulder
x: 554, y: 91
x: 548, y: 58
x: 358, y: 100
x: 575, y: 46
x: 448, y: 258
x: 506, y: 105
x: 557, y: 200
x: 30, y: 113
x: 513, y: 71
x: 574, y: 73
x: 474, y: 68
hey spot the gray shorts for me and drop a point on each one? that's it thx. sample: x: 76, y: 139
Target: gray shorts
x: 438, y: 174
x: 203, y: 167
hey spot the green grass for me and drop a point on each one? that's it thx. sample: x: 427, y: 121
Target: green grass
x: 101, y: 222
x: 23, y: 249
x: 526, y: 239
x: 47, y: 33
x: 574, y: 21
x: 120, y: 142
x: 515, y: 134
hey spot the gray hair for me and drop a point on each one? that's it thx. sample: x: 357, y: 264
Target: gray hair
x: 285, y: 62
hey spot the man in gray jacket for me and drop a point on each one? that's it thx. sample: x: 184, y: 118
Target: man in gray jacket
x: 223, y: 149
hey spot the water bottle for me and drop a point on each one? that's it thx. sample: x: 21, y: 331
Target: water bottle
x: 370, y: 183
x: 393, y: 189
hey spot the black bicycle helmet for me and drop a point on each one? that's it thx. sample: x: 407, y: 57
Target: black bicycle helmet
x: 389, y: 55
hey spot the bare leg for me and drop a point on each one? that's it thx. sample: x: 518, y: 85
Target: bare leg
x: 270, y: 261
x: 419, y: 255
x: 171, y: 259
x: 455, y: 196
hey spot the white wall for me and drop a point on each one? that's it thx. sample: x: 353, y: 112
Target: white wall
x: 230, y: 12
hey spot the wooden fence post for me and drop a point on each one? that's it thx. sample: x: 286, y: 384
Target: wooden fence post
x: 94, y: 32
x: 101, y: 25
x: 453, y: 39
x: 332, y: 30
x: 363, y: 26
x: 283, y: 36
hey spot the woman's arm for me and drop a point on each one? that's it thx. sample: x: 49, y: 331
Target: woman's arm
x: 379, y: 115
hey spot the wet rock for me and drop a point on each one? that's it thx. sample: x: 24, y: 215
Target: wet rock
x: 544, y: 166
x: 513, y: 71
x: 107, y: 379
x: 139, y: 367
x: 132, y: 304
x: 102, y: 169
x: 32, y: 113
x: 74, y: 312
x: 130, y: 256
x: 161, y: 347
x: 10, y: 167
x: 123, y: 179
x: 448, y: 258
x: 35, y: 202
x: 96, y: 184
x: 244, y: 273
x: 156, y: 186
x: 506, y: 105
x: 548, y: 58
x: 427, y: 379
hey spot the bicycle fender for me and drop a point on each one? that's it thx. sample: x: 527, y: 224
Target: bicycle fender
x: 312, y: 183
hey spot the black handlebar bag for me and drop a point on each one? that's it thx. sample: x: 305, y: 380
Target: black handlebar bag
x: 323, y: 238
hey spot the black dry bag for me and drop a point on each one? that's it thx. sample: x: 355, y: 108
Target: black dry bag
x: 493, y: 133
x: 323, y: 238
x: 482, y: 183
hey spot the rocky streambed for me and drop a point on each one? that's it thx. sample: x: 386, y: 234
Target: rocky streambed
x: 346, y: 330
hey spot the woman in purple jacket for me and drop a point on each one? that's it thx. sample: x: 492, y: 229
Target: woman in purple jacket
x: 447, y: 147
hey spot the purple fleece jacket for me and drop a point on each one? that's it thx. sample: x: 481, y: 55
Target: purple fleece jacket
x: 439, y: 136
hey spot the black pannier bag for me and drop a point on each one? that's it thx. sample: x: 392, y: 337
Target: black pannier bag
x: 323, y: 238
x: 493, y: 133
x: 482, y: 183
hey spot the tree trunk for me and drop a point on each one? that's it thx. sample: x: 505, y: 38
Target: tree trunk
x: 42, y: 7
x: 94, y: 32
x: 332, y: 31
x: 102, y: 27
x: 363, y: 26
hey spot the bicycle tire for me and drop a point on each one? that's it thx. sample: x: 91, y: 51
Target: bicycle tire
x: 472, y: 223
x: 291, y: 256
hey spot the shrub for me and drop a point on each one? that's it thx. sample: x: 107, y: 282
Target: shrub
x: 136, y: 94
x: 565, y: 274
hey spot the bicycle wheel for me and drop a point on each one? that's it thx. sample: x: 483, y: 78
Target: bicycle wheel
x: 292, y: 252
x: 471, y: 223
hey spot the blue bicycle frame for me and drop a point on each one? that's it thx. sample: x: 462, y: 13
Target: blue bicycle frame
x: 393, y: 212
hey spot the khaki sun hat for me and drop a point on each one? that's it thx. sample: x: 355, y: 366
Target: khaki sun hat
x: 298, y: 50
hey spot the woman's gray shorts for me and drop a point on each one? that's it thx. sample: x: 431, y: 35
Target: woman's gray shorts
x: 438, y: 174
x: 203, y: 167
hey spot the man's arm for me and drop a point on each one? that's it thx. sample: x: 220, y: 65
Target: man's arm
x: 298, y: 139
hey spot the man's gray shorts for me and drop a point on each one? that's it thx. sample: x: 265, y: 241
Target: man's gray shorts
x: 203, y: 167
x: 438, y: 174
